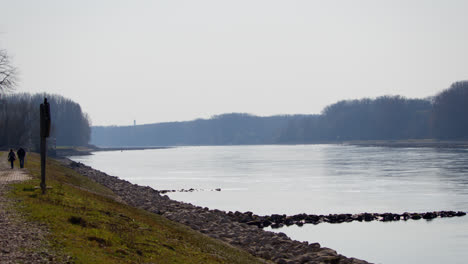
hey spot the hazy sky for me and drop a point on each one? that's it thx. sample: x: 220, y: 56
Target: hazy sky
x: 157, y: 61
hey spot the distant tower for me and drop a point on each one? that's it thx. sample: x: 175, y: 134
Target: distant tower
x: 134, y: 122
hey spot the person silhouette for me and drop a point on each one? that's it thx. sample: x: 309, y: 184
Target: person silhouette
x: 21, y: 154
x: 11, y: 157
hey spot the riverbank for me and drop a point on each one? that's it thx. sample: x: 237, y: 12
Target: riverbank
x: 415, y: 143
x: 91, y: 224
x: 21, y: 240
x: 276, y: 247
x: 409, y: 143
x: 87, y: 150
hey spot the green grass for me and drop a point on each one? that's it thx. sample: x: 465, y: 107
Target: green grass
x: 87, y: 224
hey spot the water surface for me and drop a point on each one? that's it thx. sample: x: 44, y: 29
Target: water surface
x: 320, y: 179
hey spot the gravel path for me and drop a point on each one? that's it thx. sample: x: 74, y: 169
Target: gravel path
x: 20, y: 241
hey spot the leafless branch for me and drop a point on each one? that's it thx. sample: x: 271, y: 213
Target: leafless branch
x: 7, y: 73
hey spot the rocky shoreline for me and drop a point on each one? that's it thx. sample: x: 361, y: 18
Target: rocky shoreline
x: 276, y: 247
x: 190, y: 190
x: 277, y: 221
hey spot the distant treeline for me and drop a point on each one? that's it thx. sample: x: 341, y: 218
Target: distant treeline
x: 386, y: 117
x: 19, y: 121
x: 227, y: 129
x: 444, y: 116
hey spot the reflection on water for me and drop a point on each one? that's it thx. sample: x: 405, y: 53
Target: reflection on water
x: 318, y: 179
x: 437, y: 241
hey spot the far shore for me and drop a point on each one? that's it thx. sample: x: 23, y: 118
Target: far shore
x: 127, y: 148
x: 81, y: 151
x: 410, y: 143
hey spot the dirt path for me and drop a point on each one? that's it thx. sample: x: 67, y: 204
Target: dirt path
x: 20, y: 241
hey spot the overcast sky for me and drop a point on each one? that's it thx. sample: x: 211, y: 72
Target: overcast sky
x: 173, y: 60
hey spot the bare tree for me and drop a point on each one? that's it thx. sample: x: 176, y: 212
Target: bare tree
x: 7, y: 73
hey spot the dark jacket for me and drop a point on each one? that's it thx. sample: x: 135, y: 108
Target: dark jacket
x: 21, y: 153
x: 11, y: 156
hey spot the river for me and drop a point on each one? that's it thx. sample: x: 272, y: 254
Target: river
x: 320, y: 179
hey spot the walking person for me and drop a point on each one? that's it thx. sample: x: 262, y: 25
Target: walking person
x: 11, y: 157
x: 21, y: 154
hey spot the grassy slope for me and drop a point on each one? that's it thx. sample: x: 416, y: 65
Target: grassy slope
x: 93, y: 228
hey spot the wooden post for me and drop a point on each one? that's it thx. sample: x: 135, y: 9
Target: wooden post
x: 43, y: 164
x: 45, y: 132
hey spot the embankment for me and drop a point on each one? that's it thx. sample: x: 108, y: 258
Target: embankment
x: 86, y: 222
x: 218, y: 224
